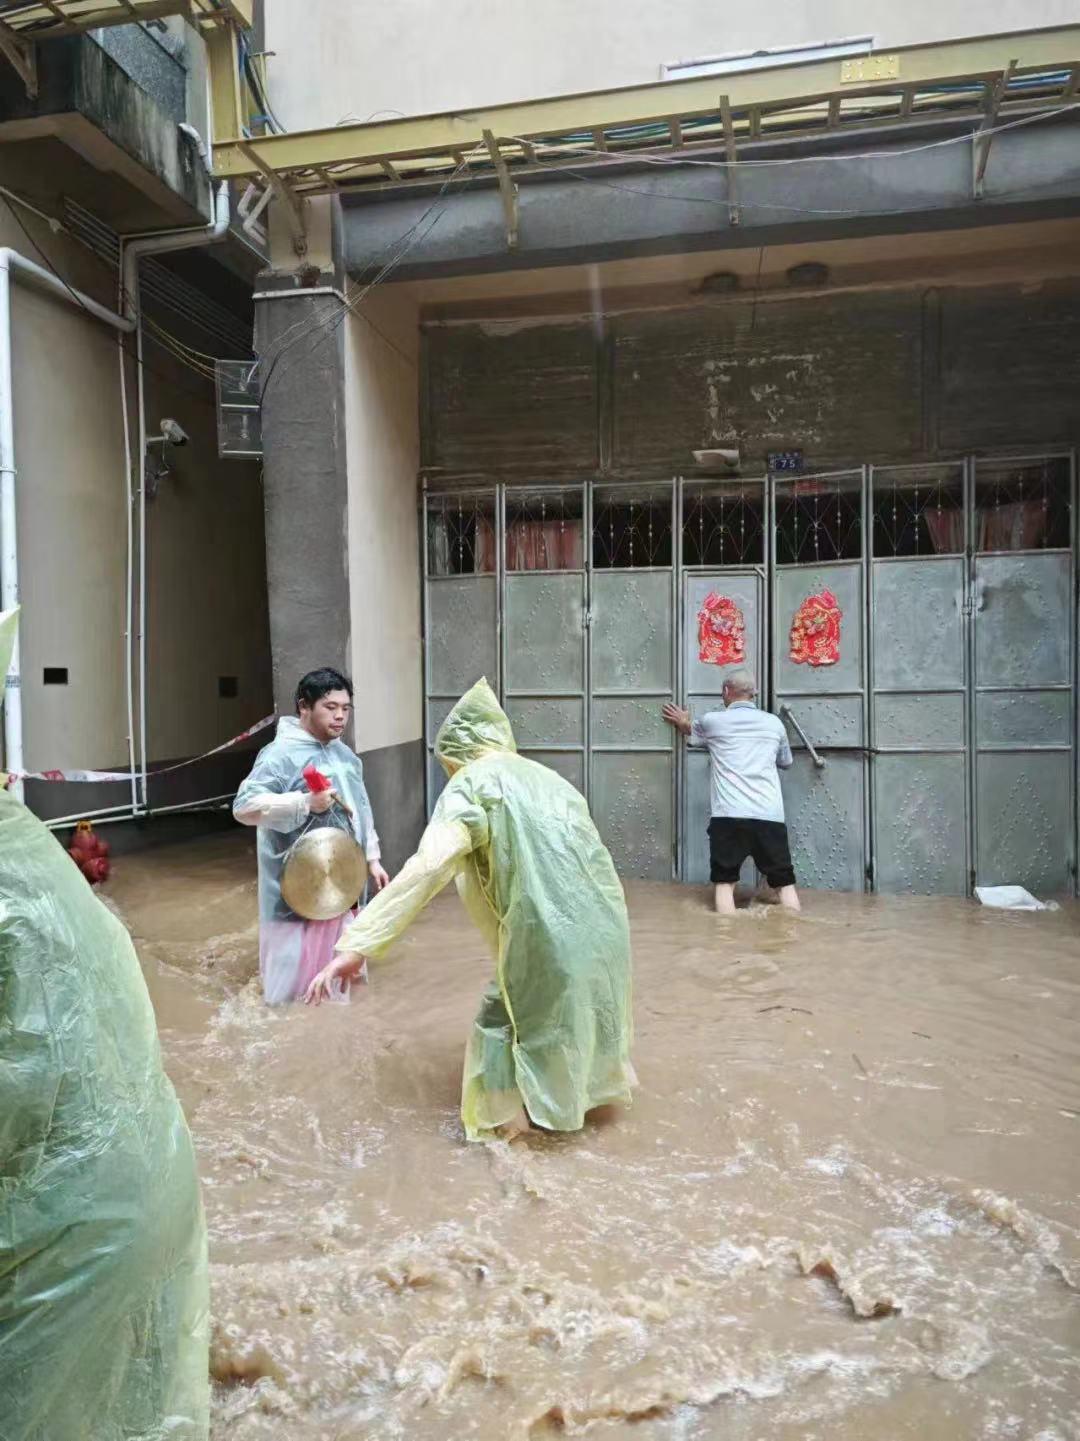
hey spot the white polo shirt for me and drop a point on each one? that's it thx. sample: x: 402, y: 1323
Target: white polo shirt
x: 746, y: 747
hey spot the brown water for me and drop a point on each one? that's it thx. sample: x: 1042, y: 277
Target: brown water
x: 843, y: 1205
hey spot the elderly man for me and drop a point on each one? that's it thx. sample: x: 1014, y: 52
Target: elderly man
x: 747, y: 749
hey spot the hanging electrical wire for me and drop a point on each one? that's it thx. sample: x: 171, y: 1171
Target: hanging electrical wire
x: 124, y: 342
x: 323, y: 327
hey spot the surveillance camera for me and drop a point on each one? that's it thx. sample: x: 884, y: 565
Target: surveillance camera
x: 173, y: 432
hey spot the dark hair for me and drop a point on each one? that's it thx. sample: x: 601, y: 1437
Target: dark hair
x: 318, y: 683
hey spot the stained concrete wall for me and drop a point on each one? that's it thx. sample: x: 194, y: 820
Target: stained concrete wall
x: 341, y: 439
x: 422, y: 56
x: 887, y: 375
x: 207, y: 608
x: 306, y: 489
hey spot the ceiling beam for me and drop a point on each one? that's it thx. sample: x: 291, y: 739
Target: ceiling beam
x: 507, y: 190
x: 20, y: 54
x: 74, y: 17
x: 294, y: 205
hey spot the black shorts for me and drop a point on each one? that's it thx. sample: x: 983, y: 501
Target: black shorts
x: 732, y: 840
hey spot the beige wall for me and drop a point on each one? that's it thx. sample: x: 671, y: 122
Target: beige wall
x: 206, y: 556
x: 383, y: 449
x: 70, y: 504
x: 207, y: 610
x: 338, y: 60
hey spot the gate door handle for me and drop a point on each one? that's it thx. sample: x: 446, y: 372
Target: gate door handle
x: 819, y: 761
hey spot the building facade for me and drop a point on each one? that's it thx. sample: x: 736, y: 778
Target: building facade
x: 601, y: 355
x: 140, y: 565
x: 621, y: 407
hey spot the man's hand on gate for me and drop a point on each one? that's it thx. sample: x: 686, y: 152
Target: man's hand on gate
x: 319, y: 802
x: 379, y: 879
x: 679, y: 718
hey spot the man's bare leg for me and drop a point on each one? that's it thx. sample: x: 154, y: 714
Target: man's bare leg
x: 788, y: 897
x: 724, y: 900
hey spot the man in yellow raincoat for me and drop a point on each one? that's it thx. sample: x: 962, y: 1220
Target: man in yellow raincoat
x: 552, y: 1039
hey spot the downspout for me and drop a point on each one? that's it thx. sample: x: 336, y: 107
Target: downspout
x: 131, y: 253
x: 14, y: 264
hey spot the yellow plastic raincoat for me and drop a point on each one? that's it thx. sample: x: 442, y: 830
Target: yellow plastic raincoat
x: 554, y: 1030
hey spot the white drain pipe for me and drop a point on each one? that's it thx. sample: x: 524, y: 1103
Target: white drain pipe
x: 131, y: 253
x: 14, y: 265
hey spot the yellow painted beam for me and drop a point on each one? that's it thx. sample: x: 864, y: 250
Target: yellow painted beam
x: 242, y: 11
x: 806, y: 84
x: 226, y: 97
x: 53, y: 18
x: 20, y: 54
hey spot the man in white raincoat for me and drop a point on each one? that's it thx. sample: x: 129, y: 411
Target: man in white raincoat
x: 552, y: 1038
x: 276, y: 799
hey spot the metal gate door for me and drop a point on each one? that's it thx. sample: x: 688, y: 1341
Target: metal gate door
x: 819, y: 672
x: 461, y: 608
x: 632, y: 675
x: 723, y: 626
x: 544, y: 627
x: 919, y: 707
x: 1024, y: 623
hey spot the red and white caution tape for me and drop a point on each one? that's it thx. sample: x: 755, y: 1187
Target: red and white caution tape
x: 97, y: 777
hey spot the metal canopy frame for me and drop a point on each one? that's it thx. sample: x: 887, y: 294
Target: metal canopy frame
x: 50, y: 19
x: 983, y: 82
x: 25, y: 23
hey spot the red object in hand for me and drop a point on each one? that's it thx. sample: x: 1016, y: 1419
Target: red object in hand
x: 316, y: 781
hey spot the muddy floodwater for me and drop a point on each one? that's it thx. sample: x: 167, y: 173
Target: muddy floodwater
x: 844, y: 1204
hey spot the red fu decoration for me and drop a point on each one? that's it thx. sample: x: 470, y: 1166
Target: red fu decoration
x: 721, y: 631
x: 815, y: 630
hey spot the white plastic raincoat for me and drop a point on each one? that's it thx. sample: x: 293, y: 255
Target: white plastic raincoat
x: 275, y: 798
x: 554, y: 1030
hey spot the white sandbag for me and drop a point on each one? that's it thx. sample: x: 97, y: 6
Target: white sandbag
x: 1011, y: 898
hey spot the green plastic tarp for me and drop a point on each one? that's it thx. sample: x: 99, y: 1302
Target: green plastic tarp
x: 103, y: 1271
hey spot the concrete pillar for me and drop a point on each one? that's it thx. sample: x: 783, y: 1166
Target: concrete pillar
x: 339, y: 544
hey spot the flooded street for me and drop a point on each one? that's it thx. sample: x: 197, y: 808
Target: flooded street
x: 843, y: 1205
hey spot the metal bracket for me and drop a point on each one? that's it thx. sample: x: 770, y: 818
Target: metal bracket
x: 294, y: 206
x: 732, y: 165
x: 980, y: 152
x: 22, y: 56
x: 507, y: 189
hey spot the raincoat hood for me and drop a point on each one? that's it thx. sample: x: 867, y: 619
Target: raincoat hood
x: 289, y: 729
x: 477, y: 726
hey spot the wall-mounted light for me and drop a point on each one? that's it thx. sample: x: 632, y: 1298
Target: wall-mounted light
x: 156, y: 467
